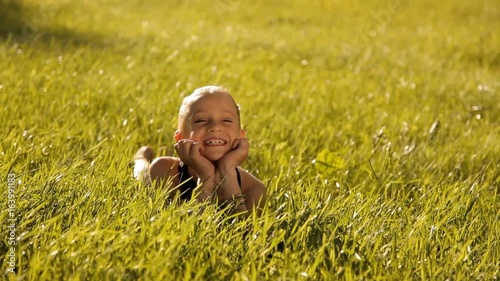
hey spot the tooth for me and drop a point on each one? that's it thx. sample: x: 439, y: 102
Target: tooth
x: 215, y: 142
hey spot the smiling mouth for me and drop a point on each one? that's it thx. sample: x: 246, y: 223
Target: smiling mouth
x: 215, y: 142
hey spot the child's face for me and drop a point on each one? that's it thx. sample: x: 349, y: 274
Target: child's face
x: 213, y: 121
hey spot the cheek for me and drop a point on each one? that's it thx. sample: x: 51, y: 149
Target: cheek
x: 195, y: 134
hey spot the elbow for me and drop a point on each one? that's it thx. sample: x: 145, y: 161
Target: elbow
x: 256, y: 200
x: 159, y: 170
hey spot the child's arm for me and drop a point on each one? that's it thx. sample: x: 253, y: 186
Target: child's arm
x: 164, y: 170
x: 251, y: 197
x: 190, y: 153
x: 252, y: 191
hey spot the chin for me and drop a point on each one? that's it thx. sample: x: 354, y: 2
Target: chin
x: 213, y: 157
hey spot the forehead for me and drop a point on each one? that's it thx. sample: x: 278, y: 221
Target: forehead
x: 213, y: 102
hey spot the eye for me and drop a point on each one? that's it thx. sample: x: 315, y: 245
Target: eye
x: 227, y: 120
x: 200, y: 121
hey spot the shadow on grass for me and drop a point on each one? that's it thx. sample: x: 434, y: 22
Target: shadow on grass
x: 21, y: 23
x: 11, y: 15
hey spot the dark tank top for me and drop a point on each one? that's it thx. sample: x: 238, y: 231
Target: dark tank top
x: 188, y: 184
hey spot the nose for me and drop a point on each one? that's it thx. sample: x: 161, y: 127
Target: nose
x: 214, y: 127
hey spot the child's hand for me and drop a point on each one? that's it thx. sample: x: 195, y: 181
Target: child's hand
x: 236, y: 156
x: 190, y: 153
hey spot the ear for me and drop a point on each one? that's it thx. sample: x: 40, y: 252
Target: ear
x: 242, y: 134
x: 178, y: 135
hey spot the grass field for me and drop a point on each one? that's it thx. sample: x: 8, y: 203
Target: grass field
x: 375, y: 126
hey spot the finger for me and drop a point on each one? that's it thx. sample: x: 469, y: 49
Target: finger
x: 178, y: 145
x: 178, y: 148
x: 195, y: 150
x: 184, y: 148
x: 244, y: 143
x: 188, y: 147
x: 236, y: 143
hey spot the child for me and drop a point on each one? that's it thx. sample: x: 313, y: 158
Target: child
x: 211, y: 145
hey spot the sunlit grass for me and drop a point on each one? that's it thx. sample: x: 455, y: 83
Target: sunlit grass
x: 375, y: 129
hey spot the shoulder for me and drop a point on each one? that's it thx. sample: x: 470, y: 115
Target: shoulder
x: 249, y: 183
x: 163, y: 167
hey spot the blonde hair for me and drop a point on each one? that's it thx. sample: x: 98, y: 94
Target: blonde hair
x: 196, y: 95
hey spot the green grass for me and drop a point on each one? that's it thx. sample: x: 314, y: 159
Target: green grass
x: 378, y: 140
